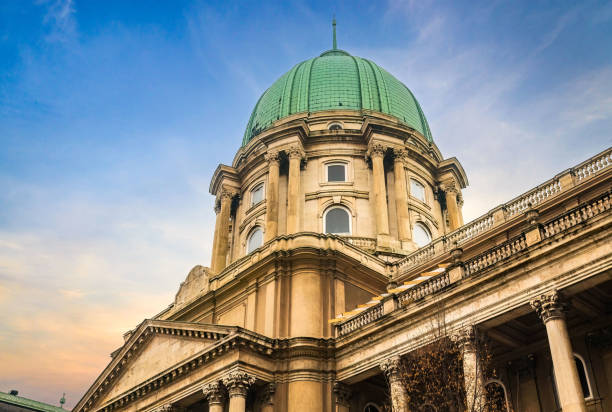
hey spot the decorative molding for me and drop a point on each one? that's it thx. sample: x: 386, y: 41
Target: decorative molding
x: 342, y: 393
x: 550, y: 305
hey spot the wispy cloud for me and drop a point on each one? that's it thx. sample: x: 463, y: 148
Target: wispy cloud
x: 60, y: 19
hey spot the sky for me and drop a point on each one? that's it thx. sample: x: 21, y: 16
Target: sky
x: 114, y: 115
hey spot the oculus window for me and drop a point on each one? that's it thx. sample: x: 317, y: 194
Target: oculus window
x: 337, y: 220
x: 417, y: 190
x: 336, y: 172
x: 421, y: 235
x: 335, y: 126
x: 255, y: 239
x: 257, y: 194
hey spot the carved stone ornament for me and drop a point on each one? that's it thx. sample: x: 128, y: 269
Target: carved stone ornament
x: 227, y: 193
x: 267, y: 394
x: 238, y: 383
x: 400, y: 155
x: 450, y: 187
x: 391, y: 367
x: 214, y: 393
x: 169, y: 408
x: 342, y: 393
x: 295, y: 152
x: 549, y: 306
x: 466, y: 337
x: 272, y: 157
x: 376, y: 150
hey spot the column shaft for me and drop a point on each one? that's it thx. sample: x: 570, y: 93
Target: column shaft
x: 272, y: 197
x: 473, y: 373
x: 293, y: 191
x: 216, y: 236
x: 453, y: 208
x: 222, y: 234
x: 401, y: 197
x: 399, y: 397
x: 237, y: 404
x: 379, y: 188
x: 215, y: 407
x: 237, y: 383
x: 550, y: 307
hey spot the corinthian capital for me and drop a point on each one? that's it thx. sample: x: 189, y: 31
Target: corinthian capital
x: 271, y: 157
x: 295, y: 152
x: 376, y: 150
x: 238, y: 383
x: 267, y: 394
x: 227, y: 193
x: 450, y: 187
x: 466, y: 338
x: 400, y: 155
x: 343, y: 393
x: 391, y: 367
x: 549, y: 306
x: 214, y: 393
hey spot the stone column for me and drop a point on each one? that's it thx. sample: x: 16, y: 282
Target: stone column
x: 475, y: 394
x: 392, y: 370
x: 454, y: 216
x: 237, y: 384
x: 377, y: 153
x: 215, y: 395
x: 215, y: 245
x: 342, y: 394
x: 293, y: 191
x: 550, y: 308
x: 401, y: 196
x: 267, y: 398
x: 272, y: 196
x: 222, y: 232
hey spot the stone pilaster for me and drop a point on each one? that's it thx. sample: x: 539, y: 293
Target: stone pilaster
x: 295, y: 154
x: 238, y: 384
x: 221, y: 241
x: 266, y: 397
x: 451, y: 193
x: 215, y: 395
x: 272, y: 196
x: 401, y: 196
x: 392, y: 369
x: 376, y: 152
x: 475, y: 395
x: 342, y: 393
x: 551, y: 308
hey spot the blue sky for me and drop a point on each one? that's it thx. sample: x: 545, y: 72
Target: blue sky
x: 114, y: 114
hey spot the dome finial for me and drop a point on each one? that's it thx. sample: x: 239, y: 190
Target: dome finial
x: 335, y: 45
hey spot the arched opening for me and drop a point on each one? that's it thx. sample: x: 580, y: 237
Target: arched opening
x: 428, y: 407
x: 583, y: 376
x: 335, y: 126
x: 255, y: 239
x: 497, y: 397
x: 421, y: 235
x: 337, y: 220
x: 371, y: 407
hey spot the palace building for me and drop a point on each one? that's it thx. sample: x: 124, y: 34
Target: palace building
x: 340, y: 248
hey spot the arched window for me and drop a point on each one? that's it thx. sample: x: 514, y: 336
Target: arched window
x: 371, y: 407
x: 421, y: 235
x: 337, y: 220
x: 336, y: 172
x: 583, y: 376
x: 497, y: 397
x: 417, y: 190
x: 255, y: 239
x: 335, y: 126
x: 257, y: 194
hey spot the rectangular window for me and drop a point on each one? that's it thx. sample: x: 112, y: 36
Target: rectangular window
x: 336, y: 173
x: 257, y: 195
x: 417, y: 190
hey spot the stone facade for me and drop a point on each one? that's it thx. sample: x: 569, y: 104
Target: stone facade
x: 308, y: 320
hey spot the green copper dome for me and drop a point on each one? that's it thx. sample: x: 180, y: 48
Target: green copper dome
x: 336, y: 80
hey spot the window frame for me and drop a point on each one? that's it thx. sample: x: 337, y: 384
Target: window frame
x: 253, y: 230
x: 424, y: 186
x: 336, y: 163
x: 256, y: 187
x: 350, y: 220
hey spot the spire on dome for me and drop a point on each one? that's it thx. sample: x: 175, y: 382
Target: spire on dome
x: 335, y: 44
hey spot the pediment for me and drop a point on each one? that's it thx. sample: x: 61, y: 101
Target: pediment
x: 155, y: 347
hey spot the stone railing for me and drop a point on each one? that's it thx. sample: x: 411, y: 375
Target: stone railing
x: 576, y: 216
x: 367, y: 316
x: 494, y: 255
x: 365, y: 243
x: 534, y: 197
x: 426, y: 288
x: 593, y: 165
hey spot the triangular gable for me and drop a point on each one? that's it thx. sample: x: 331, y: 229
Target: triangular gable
x: 155, y: 346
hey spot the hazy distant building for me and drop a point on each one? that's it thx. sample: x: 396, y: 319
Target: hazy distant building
x: 12, y: 402
x: 339, y: 244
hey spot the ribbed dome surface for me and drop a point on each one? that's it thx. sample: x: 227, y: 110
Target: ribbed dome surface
x: 336, y: 80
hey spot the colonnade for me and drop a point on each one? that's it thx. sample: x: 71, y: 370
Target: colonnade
x: 376, y: 153
x: 551, y: 308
